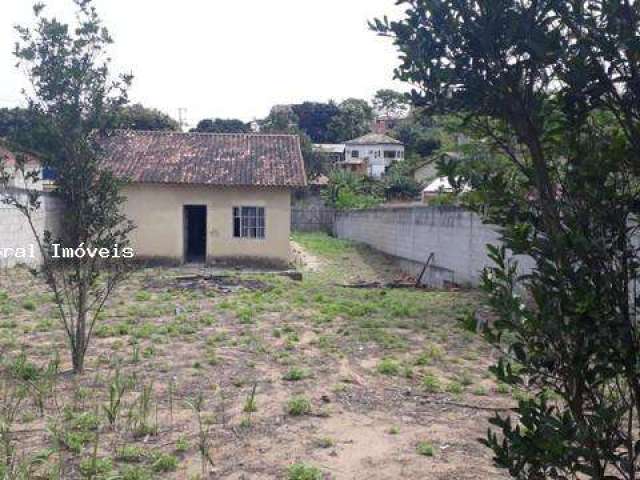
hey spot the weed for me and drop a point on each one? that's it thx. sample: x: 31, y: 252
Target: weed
x: 324, y: 442
x: 130, y: 454
x: 204, y: 438
x: 117, y: 389
x: 295, y: 374
x: 388, y: 366
x: 92, y: 468
x: 143, y: 296
x: 250, y: 405
x: 297, y: 406
x: 455, y: 388
x: 301, y: 471
x: 182, y: 444
x: 431, y: 384
x: 424, y: 448
x: 136, y: 473
x: 480, y: 391
x: 395, y: 430
x: 163, y: 462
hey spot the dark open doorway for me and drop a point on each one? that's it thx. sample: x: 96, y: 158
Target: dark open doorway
x: 195, y: 233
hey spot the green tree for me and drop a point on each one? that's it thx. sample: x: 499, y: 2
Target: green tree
x: 314, y: 119
x: 77, y: 99
x: 554, y: 87
x: 221, y: 125
x: 346, y: 189
x: 419, y: 135
x: 282, y: 119
x: 391, y: 104
x: 139, y: 117
x: 352, y: 121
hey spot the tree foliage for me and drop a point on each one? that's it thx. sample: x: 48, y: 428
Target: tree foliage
x: 139, y: 117
x: 554, y: 87
x: 353, y: 120
x: 76, y: 100
x: 221, y: 125
x: 282, y: 119
x: 420, y: 135
x: 347, y: 189
x: 391, y: 104
x: 314, y: 119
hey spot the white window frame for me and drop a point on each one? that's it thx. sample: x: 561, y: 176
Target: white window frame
x: 248, y: 225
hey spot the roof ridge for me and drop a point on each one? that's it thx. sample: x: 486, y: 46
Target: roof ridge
x: 230, y: 134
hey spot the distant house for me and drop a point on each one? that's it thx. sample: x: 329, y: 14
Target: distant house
x: 197, y: 197
x: 438, y: 186
x: 9, y: 165
x: 331, y: 152
x: 373, y: 153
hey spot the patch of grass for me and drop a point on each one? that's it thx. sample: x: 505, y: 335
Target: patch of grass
x: 424, y: 448
x: 143, y: 296
x: 130, y: 453
x: 95, y: 469
x: 164, y: 462
x: 29, y: 305
x: 432, y: 352
x: 455, y: 388
x: 182, y: 444
x: 322, y: 244
x: 301, y: 471
x: 503, y: 389
x: 297, y: 406
x: 432, y: 384
x: 395, y: 430
x: 295, y: 374
x: 323, y: 442
x: 136, y: 473
x: 388, y: 366
x: 480, y: 391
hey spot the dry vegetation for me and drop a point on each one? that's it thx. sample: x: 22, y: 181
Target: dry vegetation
x: 254, y: 376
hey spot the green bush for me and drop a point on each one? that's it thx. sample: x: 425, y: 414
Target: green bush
x: 300, y: 471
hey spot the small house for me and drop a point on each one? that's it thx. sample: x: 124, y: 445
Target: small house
x: 201, y: 197
x: 374, y: 152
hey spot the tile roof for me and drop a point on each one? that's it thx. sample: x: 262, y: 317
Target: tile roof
x: 230, y: 159
x: 374, y: 139
x: 8, y: 157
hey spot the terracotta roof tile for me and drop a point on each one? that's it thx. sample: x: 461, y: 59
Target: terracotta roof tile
x: 205, y: 158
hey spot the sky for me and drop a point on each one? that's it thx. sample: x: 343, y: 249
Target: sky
x: 229, y: 58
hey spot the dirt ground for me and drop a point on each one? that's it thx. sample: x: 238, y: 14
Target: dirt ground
x: 252, y: 376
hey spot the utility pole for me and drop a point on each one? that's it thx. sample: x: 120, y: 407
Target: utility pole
x: 181, y: 120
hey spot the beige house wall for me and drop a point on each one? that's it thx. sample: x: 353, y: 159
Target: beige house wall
x: 157, y: 211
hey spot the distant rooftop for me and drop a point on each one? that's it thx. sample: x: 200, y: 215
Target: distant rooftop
x: 374, y: 139
x: 329, y: 147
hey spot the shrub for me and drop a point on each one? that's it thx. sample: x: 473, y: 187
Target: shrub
x: 300, y: 471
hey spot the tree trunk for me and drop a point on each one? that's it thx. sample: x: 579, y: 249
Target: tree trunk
x: 80, y: 333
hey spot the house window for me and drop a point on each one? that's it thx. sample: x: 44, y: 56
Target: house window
x: 389, y: 154
x: 248, y: 222
x: 355, y: 153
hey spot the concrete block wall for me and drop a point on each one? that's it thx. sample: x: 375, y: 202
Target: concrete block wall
x: 15, y: 231
x: 456, y: 237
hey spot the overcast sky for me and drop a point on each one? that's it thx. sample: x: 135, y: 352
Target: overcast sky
x: 230, y: 58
